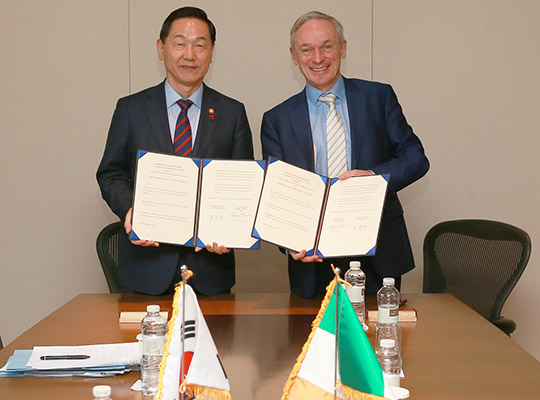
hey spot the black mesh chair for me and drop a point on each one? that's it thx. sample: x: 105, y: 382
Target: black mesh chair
x: 107, y: 249
x: 477, y: 261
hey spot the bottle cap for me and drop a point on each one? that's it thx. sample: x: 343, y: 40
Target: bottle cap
x: 388, y: 343
x: 389, y: 281
x: 101, y: 391
x: 152, y: 308
x: 400, y: 393
x: 354, y: 264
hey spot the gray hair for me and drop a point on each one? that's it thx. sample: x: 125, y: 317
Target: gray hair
x: 312, y: 15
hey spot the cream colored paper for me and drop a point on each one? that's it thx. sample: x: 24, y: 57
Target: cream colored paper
x: 165, y: 198
x: 230, y: 192
x: 352, y: 218
x: 290, y: 206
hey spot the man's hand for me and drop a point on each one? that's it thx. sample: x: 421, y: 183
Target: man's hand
x: 301, y: 256
x: 354, y: 172
x: 213, y: 248
x: 127, y: 227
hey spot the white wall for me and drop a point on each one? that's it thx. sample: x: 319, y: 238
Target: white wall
x: 466, y: 73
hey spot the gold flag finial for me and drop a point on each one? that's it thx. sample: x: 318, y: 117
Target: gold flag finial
x: 186, y: 272
x: 337, y: 273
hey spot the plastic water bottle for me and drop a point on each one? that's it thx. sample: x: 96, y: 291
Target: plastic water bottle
x: 356, y: 277
x: 388, y: 302
x: 390, y: 361
x: 101, y: 392
x: 154, y: 328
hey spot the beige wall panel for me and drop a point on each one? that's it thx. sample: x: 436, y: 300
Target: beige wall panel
x: 64, y: 63
x: 251, y: 63
x: 467, y: 75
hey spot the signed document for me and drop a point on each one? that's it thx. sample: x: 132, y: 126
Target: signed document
x: 230, y: 192
x: 299, y: 209
x: 193, y: 202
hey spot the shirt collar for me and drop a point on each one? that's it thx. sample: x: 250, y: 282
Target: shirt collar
x: 172, y: 96
x: 338, y: 89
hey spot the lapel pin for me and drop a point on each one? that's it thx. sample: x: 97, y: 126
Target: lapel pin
x: 211, y: 112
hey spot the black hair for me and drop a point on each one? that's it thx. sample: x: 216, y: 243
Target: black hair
x: 186, y: 12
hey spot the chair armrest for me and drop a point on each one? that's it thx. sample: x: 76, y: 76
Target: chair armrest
x: 505, y: 324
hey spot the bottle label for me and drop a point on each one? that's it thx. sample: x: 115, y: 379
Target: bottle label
x: 392, y: 379
x: 388, y: 315
x: 355, y: 293
x: 153, y: 345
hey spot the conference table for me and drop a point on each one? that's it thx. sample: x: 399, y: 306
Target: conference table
x: 451, y: 352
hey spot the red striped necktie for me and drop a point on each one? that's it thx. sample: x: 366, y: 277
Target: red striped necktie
x: 182, y: 133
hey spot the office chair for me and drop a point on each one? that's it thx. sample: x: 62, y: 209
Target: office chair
x: 107, y: 249
x: 477, y: 261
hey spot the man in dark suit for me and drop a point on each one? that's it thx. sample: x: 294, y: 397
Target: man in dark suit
x: 375, y: 139
x: 148, y: 120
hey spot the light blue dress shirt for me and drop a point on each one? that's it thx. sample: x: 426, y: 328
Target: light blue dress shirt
x: 317, y: 117
x: 173, y: 109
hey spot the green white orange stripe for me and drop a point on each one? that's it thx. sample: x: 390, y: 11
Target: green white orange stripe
x: 359, y: 373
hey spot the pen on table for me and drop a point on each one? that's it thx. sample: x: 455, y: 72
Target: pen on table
x: 65, y: 357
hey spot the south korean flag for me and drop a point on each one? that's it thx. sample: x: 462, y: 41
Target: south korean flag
x: 205, y: 377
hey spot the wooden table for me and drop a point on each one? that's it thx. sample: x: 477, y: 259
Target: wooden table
x: 450, y: 353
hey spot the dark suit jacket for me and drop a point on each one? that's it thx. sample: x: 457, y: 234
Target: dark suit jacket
x: 382, y: 141
x: 140, y: 122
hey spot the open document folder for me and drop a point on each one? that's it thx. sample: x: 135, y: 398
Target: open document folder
x: 60, y: 361
x: 195, y: 202
x: 299, y: 209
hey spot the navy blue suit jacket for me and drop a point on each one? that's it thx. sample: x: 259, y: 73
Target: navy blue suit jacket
x: 140, y: 122
x: 382, y: 141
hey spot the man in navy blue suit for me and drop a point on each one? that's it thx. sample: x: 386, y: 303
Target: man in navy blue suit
x: 147, y: 121
x: 378, y: 140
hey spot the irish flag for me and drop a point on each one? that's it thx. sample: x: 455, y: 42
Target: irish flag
x: 204, y: 376
x: 359, y: 375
